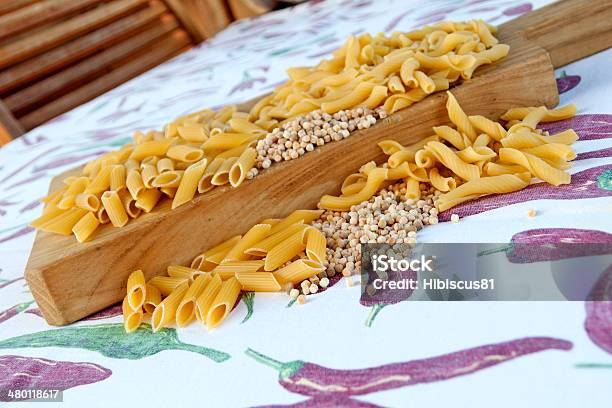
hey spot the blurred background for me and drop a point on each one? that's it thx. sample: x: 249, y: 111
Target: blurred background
x: 58, y: 54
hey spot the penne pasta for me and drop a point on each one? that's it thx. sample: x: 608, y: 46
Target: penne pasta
x: 189, y: 183
x: 114, y: 208
x: 185, y: 312
x: 223, y: 303
x: 205, y: 300
x: 315, y: 246
x: 136, y: 291
x: 254, y: 235
x: 297, y: 271
x: 165, y: 312
x: 284, y: 251
x: 131, y: 318
x: 228, y: 269
x: 258, y: 281
x: 166, y: 284
x: 152, y: 298
x: 85, y: 227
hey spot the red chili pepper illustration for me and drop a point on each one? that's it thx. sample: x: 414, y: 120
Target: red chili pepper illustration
x: 315, y: 380
x: 553, y: 244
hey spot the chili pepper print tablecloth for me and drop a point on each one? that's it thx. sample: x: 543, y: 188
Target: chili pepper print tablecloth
x: 502, y: 354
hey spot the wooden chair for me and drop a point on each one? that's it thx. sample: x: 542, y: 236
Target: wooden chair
x: 57, y: 54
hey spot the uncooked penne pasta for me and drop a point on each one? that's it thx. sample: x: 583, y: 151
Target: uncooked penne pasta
x: 164, y: 165
x: 192, y: 133
x: 239, y: 169
x: 205, y: 300
x: 166, y: 284
x: 210, y: 258
x: 297, y: 271
x: 129, y: 204
x: 87, y: 201
x: 189, y: 183
x: 131, y: 318
x: 262, y: 247
x: 183, y: 272
x: 114, y: 208
x: 254, y: 235
x: 118, y: 175
x: 185, y: 153
x: 168, y: 179
x: 258, y: 281
x: 101, y: 182
x: 136, y: 291
x: 316, y: 245
x: 165, y: 312
x: 63, y: 222
x: 229, y: 268
x: 134, y: 183
x: 85, y: 227
x: 221, y: 176
x: 223, y: 303
x: 147, y: 199
x: 304, y: 216
x: 284, y: 251
x: 151, y: 148
x: 148, y: 174
x: 152, y: 298
x: 185, y: 312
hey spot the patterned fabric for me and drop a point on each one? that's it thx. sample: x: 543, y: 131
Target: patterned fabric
x: 374, y: 364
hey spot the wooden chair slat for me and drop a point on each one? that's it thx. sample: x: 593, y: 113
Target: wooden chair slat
x: 53, y: 85
x: 40, y: 13
x: 79, y: 48
x: 10, y: 5
x: 9, y: 127
x: 26, y: 47
x: 147, y: 59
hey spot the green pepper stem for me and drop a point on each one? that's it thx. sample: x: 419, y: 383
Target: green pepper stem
x: 216, y: 356
x: 263, y: 359
x: 374, y: 310
x: 504, y: 248
x: 593, y: 365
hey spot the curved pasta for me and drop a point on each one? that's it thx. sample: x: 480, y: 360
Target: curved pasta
x: 458, y: 117
x: 443, y: 184
x: 536, y: 166
x: 375, y: 178
x: 451, y: 161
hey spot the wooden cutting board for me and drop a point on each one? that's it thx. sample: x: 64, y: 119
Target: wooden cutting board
x: 70, y: 280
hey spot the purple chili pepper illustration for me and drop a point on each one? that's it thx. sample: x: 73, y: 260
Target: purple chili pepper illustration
x: 567, y: 82
x: 8, y: 282
x: 598, y: 323
x: 31, y: 372
x: 590, y: 183
x: 14, y: 311
x: 332, y: 401
x: 315, y: 380
x: 588, y: 127
x: 553, y: 244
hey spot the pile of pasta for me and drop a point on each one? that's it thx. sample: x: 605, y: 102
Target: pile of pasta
x: 273, y: 255
x: 390, y: 71
x: 205, y: 149
x: 474, y: 157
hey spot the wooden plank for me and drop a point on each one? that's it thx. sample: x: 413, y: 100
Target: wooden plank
x: 10, y: 125
x: 188, y: 19
x: 568, y: 30
x: 32, y: 45
x: 71, y: 280
x: 160, y: 52
x: 81, y: 47
x: 9, y: 5
x: 40, y: 13
x: 54, y: 85
x: 211, y: 16
x: 250, y: 8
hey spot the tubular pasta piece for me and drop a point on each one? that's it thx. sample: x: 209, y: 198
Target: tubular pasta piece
x: 185, y: 312
x: 87, y: 201
x: 152, y: 298
x: 151, y: 148
x: 458, y: 117
x: 262, y: 247
x: 228, y: 269
x: 189, y: 183
x: 316, y: 245
x: 118, y: 174
x: 134, y: 183
x: 239, y: 169
x: 168, y: 179
x: 166, y: 284
x: 85, y: 227
x: 413, y: 189
x: 216, y: 253
x: 165, y: 312
x: 284, y: 251
x: 164, y: 165
x: 192, y: 133
x: 136, y: 291
x: 221, y: 176
x: 254, y: 235
x: 258, y: 281
x: 298, y: 271
x: 205, y: 300
x: 63, y: 222
x: 148, y: 174
x: 184, y: 153
x: 443, y: 184
x: 223, y: 303
x: 147, y: 199
x: 131, y: 318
